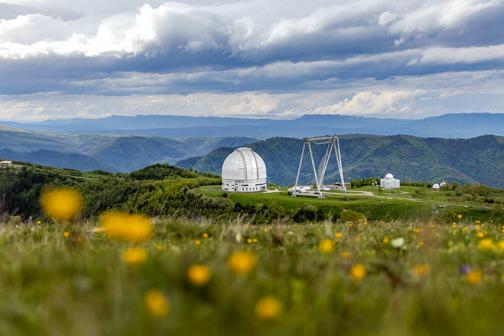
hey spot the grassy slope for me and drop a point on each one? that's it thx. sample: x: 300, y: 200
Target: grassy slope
x: 405, y: 204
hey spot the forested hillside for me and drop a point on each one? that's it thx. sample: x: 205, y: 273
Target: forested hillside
x: 104, y: 152
x: 476, y: 160
x: 156, y: 190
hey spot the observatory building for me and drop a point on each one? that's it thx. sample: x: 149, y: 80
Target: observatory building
x: 244, y: 171
x: 389, y: 182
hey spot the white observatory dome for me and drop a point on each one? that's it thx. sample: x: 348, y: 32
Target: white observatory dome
x: 390, y: 182
x: 244, y: 171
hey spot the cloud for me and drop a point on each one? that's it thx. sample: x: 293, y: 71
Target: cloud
x: 405, y: 97
x: 154, y: 48
x: 391, y: 103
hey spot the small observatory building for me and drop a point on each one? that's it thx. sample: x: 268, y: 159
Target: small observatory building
x: 244, y: 171
x: 389, y: 182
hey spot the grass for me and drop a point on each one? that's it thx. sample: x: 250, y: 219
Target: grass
x: 76, y: 283
x: 402, y: 204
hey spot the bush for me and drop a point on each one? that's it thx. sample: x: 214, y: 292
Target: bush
x: 308, y: 213
x: 351, y: 216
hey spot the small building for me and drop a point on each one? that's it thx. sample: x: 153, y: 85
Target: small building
x: 244, y: 171
x: 389, y: 182
x: 436, y: 186
x: 299, y: 189
x: 5, y: 164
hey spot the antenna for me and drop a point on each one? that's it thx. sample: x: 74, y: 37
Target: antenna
x: 332, y: 143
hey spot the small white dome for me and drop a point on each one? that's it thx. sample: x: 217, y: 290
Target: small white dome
x: 244, y: 165
x: 389, y: 176
x: 435, y: 186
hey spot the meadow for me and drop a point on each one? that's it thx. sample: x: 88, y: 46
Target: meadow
x: 407, y: 203
x: 176, y: 276
x: 178, y: 256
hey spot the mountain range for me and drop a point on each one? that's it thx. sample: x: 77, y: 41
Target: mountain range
x: 455, y: 125
x: 98, y: 152
x: 475, y: 160
x: 124, y: 144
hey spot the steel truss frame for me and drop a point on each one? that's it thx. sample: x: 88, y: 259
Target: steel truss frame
x: 333, y: 145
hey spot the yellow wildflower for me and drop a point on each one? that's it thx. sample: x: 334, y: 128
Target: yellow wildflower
x: 480, y: 235
x: 62, y: 204
x: 338, y: 235
x: 420, y: 244
x: 473, y: 277
x: 156, y: 303
x: 421, y: 270
x: 39, y: 222
x: 486, y: 244
x: 66, y: 234
x: 358, y: 272
x: 386, y: 240
x: 126, y: 227
x: 326, y: 246
x: 459, y: 217
x: 198, y: 275
x: 345, y: 254
x: 134, y: 256
x: 268, y: 308
x: 197, y: 242
x: 242, y: 262
x: 501, y: 245
x: 205, y: 235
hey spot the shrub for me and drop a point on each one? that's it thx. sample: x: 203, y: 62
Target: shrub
x: 351, y: 216
x: 308, y: 213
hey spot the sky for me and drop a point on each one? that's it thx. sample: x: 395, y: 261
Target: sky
x: 256, y: 58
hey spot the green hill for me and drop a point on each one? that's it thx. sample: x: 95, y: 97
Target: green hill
x: 157, y: 190
x: 476, y: 160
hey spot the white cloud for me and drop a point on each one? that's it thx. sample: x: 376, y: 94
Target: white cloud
x: 256, y: 57
x: 242, y: 29
x: 384, y: 103
x: 461, y: 55
x: 30, y: 29
x: 406, y: 97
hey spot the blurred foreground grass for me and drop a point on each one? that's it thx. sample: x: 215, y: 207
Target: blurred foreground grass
x: 195, y: 278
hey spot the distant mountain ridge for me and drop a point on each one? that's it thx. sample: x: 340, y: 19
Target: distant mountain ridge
x: 455, y: 125
x: 475, y: 160
x: 111, y: 153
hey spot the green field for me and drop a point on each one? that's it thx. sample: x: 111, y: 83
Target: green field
x: 443, y: 280
x: 407, y: 203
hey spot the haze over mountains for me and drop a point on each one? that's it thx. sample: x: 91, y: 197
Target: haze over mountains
x: 462, y: 125
x: 110, y: 153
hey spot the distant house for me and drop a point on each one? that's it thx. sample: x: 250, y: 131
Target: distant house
x: 389, y: 182
x: 5, y: 164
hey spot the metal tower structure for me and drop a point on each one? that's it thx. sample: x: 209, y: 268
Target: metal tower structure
x: 332, y: 143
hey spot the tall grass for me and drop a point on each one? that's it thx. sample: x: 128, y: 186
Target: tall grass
x: 76, y: 283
